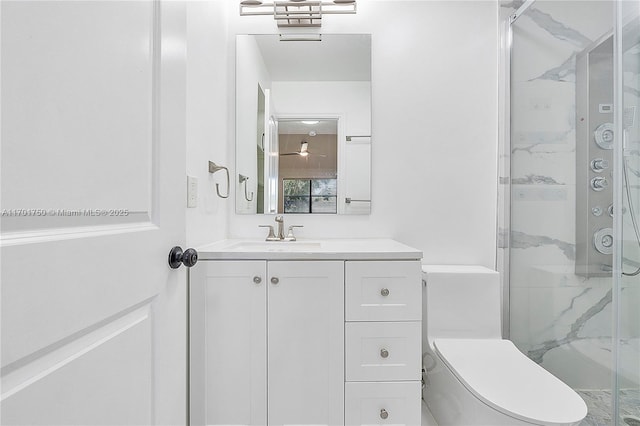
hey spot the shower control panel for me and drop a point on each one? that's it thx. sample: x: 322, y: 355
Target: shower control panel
x: 595, y: 138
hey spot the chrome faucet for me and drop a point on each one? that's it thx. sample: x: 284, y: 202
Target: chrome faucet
x: 279, y: 234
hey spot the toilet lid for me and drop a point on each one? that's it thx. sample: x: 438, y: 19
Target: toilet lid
x: 498, y: 374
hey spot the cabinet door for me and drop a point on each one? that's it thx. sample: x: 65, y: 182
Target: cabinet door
x: 306, y: 342
x: 228, y: 327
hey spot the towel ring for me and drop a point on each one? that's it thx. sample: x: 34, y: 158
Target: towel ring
x: 213, y: 167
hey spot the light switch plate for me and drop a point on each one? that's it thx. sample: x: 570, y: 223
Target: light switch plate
x: 192, y: 192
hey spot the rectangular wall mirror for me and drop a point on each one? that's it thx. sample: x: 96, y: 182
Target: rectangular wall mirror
x: 303, y: 124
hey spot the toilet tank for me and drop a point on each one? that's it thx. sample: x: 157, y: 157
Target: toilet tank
x: 460, y: 301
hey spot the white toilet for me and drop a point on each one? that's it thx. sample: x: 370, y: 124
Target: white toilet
x: 473, y: 376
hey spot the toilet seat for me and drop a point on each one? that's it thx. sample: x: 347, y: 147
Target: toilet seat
x: 499, y: 375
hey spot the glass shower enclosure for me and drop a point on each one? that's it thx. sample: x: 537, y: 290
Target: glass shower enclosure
x: 570, y: 187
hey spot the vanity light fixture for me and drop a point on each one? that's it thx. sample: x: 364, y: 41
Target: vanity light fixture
x: 297, y: 13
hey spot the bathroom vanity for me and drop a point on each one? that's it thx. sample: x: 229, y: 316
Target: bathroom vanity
x: 306, y: 332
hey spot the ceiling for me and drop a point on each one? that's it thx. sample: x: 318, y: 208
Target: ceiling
x: 323, y: 127
x: 338, y: 57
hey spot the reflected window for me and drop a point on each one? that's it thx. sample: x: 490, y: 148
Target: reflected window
x: 310, y: 195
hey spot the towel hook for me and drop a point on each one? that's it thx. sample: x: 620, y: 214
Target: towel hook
x: 213, y: 167
x: 244, y: 179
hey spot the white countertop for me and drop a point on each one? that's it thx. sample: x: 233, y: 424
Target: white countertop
x: 303, y: 249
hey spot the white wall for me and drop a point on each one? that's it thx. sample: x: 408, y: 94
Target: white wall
x: 352, y: 99
x: 252, y: 72
x: 208, y: 137
x: 434, y: 125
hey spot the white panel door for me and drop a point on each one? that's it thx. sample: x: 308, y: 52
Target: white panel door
x: 93, y: 183
x: 306, y: 342
x: 228, y: 326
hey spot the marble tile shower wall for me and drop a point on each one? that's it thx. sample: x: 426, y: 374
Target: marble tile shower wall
x: 557, y: 318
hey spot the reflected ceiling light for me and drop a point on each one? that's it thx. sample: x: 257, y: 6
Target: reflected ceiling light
x: 312, y: 133
x: 311, y: 122
x: 297, y: 13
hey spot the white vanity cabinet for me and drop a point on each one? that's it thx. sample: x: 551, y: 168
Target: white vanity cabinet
x: 313, y: 333
x: 273, y: 351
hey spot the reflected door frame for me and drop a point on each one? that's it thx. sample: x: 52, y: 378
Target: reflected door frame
x: 340, y: 117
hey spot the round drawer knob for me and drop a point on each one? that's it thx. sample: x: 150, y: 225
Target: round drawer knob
x: 384, y: 353
x: 384, y: 292
x: 384, y: 414
x: 274, y: 280
x: 257, y: 280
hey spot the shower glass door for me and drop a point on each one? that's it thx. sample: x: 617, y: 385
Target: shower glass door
x: 627, y: 286
x: 561, y: 156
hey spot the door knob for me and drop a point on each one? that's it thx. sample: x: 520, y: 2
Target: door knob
x: 188, y: 258
x: 384, y: 414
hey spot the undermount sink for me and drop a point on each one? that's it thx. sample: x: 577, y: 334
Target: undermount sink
x: 271, y: 246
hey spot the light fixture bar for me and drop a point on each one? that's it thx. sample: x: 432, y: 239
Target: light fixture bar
x: 331, y: 8
x: 298, y: 13
x: 301, y: 13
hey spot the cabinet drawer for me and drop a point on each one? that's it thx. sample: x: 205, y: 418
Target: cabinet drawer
x: 383, y: 291
x: 382, y: 351
x: 382, y: 403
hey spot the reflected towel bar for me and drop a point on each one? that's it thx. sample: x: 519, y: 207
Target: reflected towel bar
x: 350, y: 138
x: 351, y: 200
